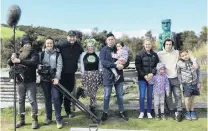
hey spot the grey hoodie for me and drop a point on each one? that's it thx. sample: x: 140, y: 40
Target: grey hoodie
x: 186, y: 73
x: 50, y: 60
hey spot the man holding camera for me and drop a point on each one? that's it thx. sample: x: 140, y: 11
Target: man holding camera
x: 28, y: 59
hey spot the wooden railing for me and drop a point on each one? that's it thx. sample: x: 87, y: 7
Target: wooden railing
x: 7, y: 90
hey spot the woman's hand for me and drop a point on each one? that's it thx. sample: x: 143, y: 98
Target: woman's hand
x: 148, y: 77
x: 55, y: 81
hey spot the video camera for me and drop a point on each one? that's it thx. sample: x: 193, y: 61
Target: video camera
x: 19, y: 71
x: 46, y: 72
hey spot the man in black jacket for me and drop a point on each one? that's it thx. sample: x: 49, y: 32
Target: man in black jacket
x: 70, y: 52
x: 27, y: 59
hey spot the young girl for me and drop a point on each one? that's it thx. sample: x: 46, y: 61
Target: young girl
x: 121, y: 55
x: 191, y: 80
x: 160, y: 88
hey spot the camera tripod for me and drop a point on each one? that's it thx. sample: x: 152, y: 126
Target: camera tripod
x: 77, y: 103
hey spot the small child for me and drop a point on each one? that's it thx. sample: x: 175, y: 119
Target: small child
x: 191, y: 80
x: 121, y: 55
x: 160, y: 88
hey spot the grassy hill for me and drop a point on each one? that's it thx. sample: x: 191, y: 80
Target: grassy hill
x: 7, y: 32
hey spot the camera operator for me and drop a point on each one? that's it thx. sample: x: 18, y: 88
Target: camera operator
x: 26, y: 62
x: 50, y: 73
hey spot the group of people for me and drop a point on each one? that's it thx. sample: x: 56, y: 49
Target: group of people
x: 159, y: 73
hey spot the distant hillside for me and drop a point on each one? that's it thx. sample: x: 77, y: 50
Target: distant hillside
x: 7, y: 32
x: 40, y: 31
x: 45, y: 31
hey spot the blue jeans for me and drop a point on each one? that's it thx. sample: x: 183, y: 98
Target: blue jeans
x: 119, y: 95
x: 143, y: 85
x: 51, y: 91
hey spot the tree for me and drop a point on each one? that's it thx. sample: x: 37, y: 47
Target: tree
x: 190, y: 40
x: 203, y: 35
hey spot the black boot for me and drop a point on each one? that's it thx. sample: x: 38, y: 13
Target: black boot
x: 35, y: 122
x: 80, y: 92
x: 104, y: 116
x: 172, y: 114
x: 179, y: 116
x: 92, y: 109
x: 123, y: 116
x: 21, y: 121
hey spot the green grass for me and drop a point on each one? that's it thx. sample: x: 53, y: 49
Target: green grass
x: 114, y: 122
x: 7, y: 33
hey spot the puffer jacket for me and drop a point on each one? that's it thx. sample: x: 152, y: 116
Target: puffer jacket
x: 146, y: 63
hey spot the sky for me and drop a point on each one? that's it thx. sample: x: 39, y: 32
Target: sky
x: 130, y: 17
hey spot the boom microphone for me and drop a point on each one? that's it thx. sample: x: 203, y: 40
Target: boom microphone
x: 13, y: 15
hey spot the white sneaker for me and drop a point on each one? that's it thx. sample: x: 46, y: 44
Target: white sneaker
x: 11, y: 80
x: 149, y: 116
x: 141, y: 115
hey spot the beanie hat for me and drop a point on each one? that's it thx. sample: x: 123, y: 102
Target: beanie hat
x: 71, y: 33
x: 25, y: 40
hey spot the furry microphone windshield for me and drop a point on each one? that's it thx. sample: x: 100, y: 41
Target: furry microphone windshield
x: 13, y: 15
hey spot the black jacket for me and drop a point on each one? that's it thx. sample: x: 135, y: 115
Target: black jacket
x: 30, y: 64
x: 70, y: 56
x: 146, y: 63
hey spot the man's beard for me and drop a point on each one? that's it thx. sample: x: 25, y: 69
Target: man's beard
x: 24, y: 52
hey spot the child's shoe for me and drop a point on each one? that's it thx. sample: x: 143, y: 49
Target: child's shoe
x: 193, y: 115
x: 188, y: 115
x: 163, y: 116
x: 157, y: 117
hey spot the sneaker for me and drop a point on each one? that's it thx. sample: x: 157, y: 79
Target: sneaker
x: 188, y: 115
x: 11, y: 80
x: 157, y: 117
x: 104, y: 116
x: 163, y: 116
x: 193, y: 115
x: 123, y: 116
x: 141, y: 115
x: 47, y: 122
x: 59, y: 124
x: 149, y: 116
